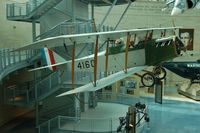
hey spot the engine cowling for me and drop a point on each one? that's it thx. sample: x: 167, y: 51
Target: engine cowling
x: 191, y: 3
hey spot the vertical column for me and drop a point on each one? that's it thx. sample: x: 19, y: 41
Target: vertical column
x: 36, y: 101
x: 1, y: 65
x: 14, y: 57
x: 86, y: 100
x: 8, y: 56
x: 73, y: 11
x: 34, y: 30
x: 19, y: 54
x: 36, y: 113
x: 73, y: 64
x: 132, y: 120
x: 4, y: 58
x: 77, y: 106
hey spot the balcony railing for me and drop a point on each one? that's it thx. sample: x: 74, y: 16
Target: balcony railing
x: 67, y: 28
x: 11, y: 61
x: 27, y: 93
x: 22, y: 9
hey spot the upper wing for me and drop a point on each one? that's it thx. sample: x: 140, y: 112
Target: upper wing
x: 88, y: 38
x: 104, y: 81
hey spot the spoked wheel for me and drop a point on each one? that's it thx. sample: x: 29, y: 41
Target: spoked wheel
x: 159, y: 72
x: 148, y: 79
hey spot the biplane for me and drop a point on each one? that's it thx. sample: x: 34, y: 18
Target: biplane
x: 179, y: 6
x: 143, y: 48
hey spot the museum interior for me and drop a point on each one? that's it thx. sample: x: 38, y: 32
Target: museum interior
x: 99, y: 66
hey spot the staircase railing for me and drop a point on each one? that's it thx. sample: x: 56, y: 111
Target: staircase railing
x: 12, y: 61
x: 26, y: 9
x: 82, y: 125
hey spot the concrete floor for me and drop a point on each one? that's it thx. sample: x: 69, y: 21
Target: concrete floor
x: 174, y: 116
x: 105, y: 117
x: 170, y: 117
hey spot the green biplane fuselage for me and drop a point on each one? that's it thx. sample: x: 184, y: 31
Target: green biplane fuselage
x: 155, y: 52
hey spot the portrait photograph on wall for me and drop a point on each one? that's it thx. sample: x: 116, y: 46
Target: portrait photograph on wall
x: 187, y: 37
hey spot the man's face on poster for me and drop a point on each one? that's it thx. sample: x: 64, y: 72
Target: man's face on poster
x: 185, y: 37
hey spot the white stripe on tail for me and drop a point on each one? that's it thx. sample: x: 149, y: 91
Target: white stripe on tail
x: 50, y: 58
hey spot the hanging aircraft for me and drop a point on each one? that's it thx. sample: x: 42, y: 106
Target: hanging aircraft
x: 189, y: 70
x: 179, y: 6
x: 141, y: 50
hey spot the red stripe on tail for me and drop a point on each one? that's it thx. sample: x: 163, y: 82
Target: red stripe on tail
x: 52, y: 59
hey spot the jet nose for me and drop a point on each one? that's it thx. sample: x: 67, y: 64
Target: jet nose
x: 176, y: 11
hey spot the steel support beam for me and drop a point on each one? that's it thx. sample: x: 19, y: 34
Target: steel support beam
x: 73, y: 62
x: 34, y: 30
x: 123, y: 14
x: 108, y: 12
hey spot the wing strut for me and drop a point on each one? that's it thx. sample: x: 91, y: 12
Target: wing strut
x: 174, y: 43
x: 164, y: 33
x: 133, y: 42
x: 146, y: 38
x: 106, y: 71
x: 126, y: 53
x: 95, y: 60
x: 151, y: 35
x: 73, y: 67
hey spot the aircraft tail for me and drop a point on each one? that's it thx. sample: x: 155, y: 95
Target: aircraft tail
x: 51, y: 58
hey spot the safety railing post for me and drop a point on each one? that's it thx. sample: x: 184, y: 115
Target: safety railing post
x: 39, y: 129
x: 111, y: 125
x: 36, y: 91
x: 4, y: 58
x: 14, y: 57
x: 19, y: 54
x: 58, y: 122
x: 27, y: 96
x: 8, y: 56
x: 1, y: 65
x: 49, y: 126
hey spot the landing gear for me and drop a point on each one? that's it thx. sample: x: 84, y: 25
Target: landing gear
x: 148, y: 79
x: 159, y: 72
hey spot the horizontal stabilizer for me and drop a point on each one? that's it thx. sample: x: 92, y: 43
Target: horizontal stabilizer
x: 104, y: 81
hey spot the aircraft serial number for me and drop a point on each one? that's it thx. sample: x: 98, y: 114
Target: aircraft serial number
x: 85, y: 64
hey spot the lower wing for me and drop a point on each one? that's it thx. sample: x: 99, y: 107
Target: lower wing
x: 104, y: 81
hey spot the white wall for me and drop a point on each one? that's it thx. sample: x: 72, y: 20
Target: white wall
x: 13, y: 33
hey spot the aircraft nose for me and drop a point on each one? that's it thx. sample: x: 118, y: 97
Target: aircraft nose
x: 168, y: 64
x: 176, y: 11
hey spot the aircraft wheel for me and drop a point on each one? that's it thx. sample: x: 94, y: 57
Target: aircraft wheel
x: 160, y: 73
x: 148, y: 79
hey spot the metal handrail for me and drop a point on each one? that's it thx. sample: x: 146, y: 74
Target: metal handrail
x: 10, y: 58
x: 58, y: 122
